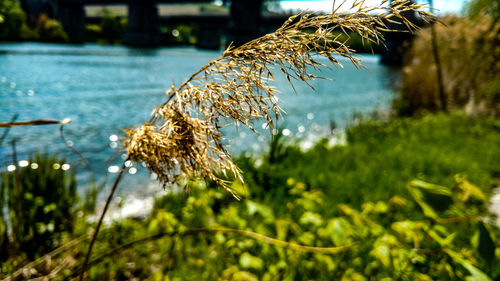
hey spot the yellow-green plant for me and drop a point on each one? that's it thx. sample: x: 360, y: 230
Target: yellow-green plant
x: 436, y: 233
x: 40, y: 200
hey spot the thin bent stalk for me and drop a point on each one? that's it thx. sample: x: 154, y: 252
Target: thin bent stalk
x: 245, y: 233
x: 6, y: 132
x: 71, y: 244
x: 33, y: 123
x: 101, y: 219
x: 439, y: 67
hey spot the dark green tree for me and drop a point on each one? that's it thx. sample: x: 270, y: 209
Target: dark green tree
x: 476, y: 8
x: 12, y: 19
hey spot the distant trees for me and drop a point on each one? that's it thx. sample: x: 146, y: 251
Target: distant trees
x: 12, y: 20
x: 13, y: 25
x: 477, y: 8
x: 469, y: 55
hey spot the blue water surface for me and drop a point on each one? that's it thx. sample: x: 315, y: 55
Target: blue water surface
x: 104, y: 89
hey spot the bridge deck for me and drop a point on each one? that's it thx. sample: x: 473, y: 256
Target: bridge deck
x: 121, y: 2
x: 271, y: 19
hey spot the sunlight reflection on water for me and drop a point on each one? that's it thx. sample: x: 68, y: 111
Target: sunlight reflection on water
x: 104, y: 89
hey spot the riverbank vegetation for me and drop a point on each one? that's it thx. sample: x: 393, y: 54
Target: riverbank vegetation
x: 16, y: 26
x: 404, y: 198
x: 40, y: 197
x: 469, y: 64
x: 109, y: 30
x: 373, y: 200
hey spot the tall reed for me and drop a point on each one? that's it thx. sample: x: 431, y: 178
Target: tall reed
x: 184, y: 137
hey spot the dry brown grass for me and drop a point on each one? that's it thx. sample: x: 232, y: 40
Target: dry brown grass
x: 469, y: 51
x: 184, y: 135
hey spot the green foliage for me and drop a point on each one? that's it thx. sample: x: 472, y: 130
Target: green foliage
x: 12, y: 20
x: 112, y: 27
x: 49, y: 30
x: 489, y: 95
x: 478, y: 8
x: 13, y: 25
x: 359, y: 44
x: 393, y: 240
x: 110, y: 30
x: 40, y: 199
x: 181, y: 34
x: 381, y: 157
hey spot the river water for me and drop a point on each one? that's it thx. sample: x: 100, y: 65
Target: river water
x: 104, y: 89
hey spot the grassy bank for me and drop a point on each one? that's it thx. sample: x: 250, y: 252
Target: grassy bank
x: 355, y: 198
x: 333, y: 197
x: 382, y: 157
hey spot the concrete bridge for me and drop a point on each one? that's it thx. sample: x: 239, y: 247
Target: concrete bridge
x: 244, y: 22
x: 143, y: 19
x: 212, y: 27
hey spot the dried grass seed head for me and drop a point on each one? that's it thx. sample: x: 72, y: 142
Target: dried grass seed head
x: 184, y: 136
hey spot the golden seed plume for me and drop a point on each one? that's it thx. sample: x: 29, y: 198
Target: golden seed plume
x: 184, y: 135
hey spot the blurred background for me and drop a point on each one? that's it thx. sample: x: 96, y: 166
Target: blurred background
x: 363, y: 146
x: 128, y: 53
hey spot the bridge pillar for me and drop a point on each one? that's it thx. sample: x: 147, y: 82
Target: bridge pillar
x: 143, y: 24
x: 244, y: 21
x: 209, y: 36
x: 72, y: 18
x: 398, y: 41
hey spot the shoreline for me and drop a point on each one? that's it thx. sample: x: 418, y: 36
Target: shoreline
x: 139, y: 204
